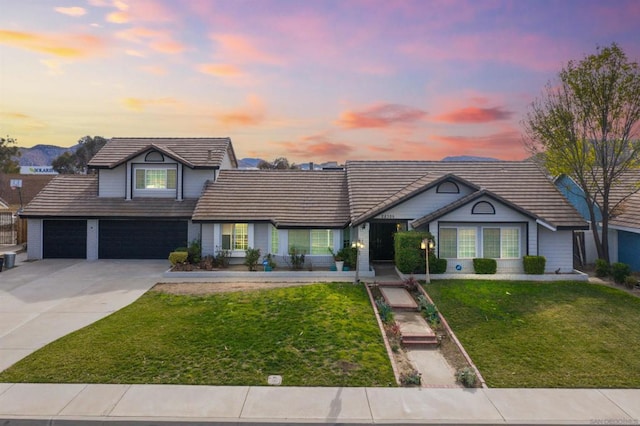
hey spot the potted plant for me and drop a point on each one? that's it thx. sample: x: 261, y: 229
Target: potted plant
x: 337, y: 257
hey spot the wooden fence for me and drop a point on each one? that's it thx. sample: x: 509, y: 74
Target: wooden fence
x: 7, y: 228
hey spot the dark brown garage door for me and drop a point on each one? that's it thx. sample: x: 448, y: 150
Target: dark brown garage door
x: 64, y: 239
x: 140, y: 239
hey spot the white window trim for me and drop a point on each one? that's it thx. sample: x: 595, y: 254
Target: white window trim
x: 458, y: 228
x: 154, y: 192
x: 501, y: 228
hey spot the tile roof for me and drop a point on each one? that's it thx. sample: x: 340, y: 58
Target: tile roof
x: 520, y: 183
x: 287, y: 198
x: 76, y: 196
x: 31, y: 185
x: 193, y: 152
x: 627, y: 215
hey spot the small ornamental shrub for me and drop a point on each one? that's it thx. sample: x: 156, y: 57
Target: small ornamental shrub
x: 429, y: 310
x: 467, y: 377
x: 348, y: 254
x: 195, y: 252
x: 252, y: 256
x: 296, y: 258
x: 437, y: 265
x: 271, y: 263
x: 411, y: 284
x: 207, y: 262
x: 176, y: 257
x: 534, y: 265
x: 603, y: 269
x: 222, y: 258
x: 412, y: 378
x: 630, y: 282
x: 619, y: 272
x: 485, y: 266
x: 384, y: 310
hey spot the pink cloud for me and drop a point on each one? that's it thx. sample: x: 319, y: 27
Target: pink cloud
x: 61, y: 45
x: 505, y: 145
x: 242, y: 49
x: 380, y: 116
x: 252, y: 114
x: 220, y: 70
x: 473, y: 114
x: 154, y: 69
x: 316, y: 147
x: 157, y: 40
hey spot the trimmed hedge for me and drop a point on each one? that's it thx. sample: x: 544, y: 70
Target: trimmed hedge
x: 409, y: 257
x: 534, y: 265
x: 485, y: 266
x: 620, y: 272
x: 437, y: 265
x: 176, y: 257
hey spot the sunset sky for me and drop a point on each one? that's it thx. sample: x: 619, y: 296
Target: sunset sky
x: 309, y: 80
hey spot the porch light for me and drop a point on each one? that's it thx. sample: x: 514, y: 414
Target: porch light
x: 358, y: 245
x: 427, y: 245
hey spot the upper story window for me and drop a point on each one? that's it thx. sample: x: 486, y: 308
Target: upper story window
x: 156, y: 178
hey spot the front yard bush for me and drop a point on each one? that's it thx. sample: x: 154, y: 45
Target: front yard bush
x: 176, y: 257
x: 409, y: 257
x: 534, y: 265
x: 620, y: 272
x: 485, y: 266
x: 437, y: 265
x: 252, y: 256
x: 603, y: 269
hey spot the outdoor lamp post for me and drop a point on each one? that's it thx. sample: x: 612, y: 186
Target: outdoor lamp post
x: 427, y: 245
x: 357, y: 245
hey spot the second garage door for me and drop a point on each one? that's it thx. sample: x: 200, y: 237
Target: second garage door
x: 140, y: 239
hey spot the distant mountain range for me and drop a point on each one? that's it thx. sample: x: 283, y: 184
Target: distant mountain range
x: 43, y: 155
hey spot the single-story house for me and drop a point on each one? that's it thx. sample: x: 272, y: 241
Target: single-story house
x: 624, y: 223
x: 151, y: 195
x: 31, y: 186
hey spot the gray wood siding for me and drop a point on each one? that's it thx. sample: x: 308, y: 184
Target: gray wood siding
x: 423, y: 204
x: 503, y: 213
x: 261, y: 237
x: 208, y: 240
x: 194, y: 232
x: 112, y: 182
x: 194, y: 180
x: 226, y: 161
x: 34, y: 239
x: 557, y: 248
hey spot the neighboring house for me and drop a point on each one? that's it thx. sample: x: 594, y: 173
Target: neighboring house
x: 31, y: 186
x: 153, y: 195
x: 624, y: 224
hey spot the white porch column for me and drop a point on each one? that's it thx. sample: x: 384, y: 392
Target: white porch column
x: 362, y: 234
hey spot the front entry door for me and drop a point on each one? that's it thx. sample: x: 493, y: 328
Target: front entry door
x: 381, y: 240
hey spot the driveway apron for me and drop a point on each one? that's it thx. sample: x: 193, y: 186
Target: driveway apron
x: 45, y: 300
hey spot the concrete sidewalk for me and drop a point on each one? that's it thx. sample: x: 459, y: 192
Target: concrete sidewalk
x: 60, y: 404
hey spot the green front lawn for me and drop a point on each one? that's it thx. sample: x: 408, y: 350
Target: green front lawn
x: 528, y: 334
x: 315, y: 335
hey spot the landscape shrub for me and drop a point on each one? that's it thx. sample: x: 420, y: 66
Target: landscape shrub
x: 485, y: 266
x: 222, y: 258
x: 252, y: 256
x: 412, y: 378
x: 296, y: 258
x: 603, y: 269
x: 437, y: 265
x: 411, y: 284
x: 409, y: 257
x: 534, y: 265
x: 467, y: 377
x: 348, y: 254
x: 176, y: 257
x: 429, y: 310
x: 630, y: 282
x: 384, y: 310
x: 208, y: 262
x: 195, y: 252
x: 619, y: 272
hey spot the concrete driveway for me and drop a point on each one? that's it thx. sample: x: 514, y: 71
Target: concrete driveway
x: 45, y: 300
